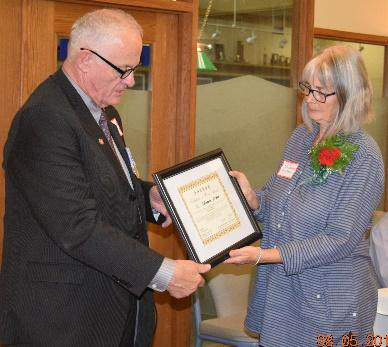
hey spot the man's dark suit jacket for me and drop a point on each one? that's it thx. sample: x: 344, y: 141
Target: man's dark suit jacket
x: 76, y: 256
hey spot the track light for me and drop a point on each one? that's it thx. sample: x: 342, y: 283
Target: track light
x: 282, y: 42
x: 252, y: 38
x: 216, y: 35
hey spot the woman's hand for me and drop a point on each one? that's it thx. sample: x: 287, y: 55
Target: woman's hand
x: 245, y: 255
x: 254, y: 255
x: 246, y: 188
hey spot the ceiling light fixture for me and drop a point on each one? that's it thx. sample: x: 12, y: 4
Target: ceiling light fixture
x: 251, y: 39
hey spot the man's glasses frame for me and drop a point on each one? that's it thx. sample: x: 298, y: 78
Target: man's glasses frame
x: 123, y: 73
x: 318, y: 95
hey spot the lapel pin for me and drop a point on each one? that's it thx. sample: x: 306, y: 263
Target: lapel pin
x: 100, y: 141
x: 114, y: 121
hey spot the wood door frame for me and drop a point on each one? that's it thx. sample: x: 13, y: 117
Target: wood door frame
x: 38, y: 23
x: 347, y: 36
x: 302, y: 45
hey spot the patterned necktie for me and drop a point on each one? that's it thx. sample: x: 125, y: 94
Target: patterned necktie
x: 103, y: 123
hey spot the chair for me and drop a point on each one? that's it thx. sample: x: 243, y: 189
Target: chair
x: 229, y: 286
x: 381, y: 322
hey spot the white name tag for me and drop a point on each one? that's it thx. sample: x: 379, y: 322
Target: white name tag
x: 288, y: 169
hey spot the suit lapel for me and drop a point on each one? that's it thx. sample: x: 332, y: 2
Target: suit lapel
x: 121, y: 147
x: 89, y: 123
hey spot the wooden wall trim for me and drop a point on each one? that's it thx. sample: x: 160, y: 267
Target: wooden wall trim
x: 385, y: 94
x: 385, y: 75
x: 10, y: 60
x: 187, y: 91
x: 350, y: 36
x: 66, y: 13
x: 38, y: 38
x: 302, y: 43
x: 170, y: 6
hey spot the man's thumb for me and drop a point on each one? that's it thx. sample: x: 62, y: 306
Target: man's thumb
x: 202, y: 268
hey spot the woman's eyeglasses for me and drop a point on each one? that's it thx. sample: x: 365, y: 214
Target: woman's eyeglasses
x: 318, y: 95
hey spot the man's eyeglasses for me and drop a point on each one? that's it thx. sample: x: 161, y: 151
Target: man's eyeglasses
x: 123, y: 73
x: 319, y: 96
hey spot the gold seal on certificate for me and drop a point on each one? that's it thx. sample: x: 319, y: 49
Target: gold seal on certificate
x: 207, y: 207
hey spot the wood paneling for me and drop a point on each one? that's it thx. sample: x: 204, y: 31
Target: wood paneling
x: 350, y: 36
x: 38, y: 38
x: 164, y: 90
x: 385, y: 76
x: 66, y: 13
x: 302, y: 43
x: 10, y: 62
x: 167, y: 6
x: 162, y: 153
x: 187, y: 92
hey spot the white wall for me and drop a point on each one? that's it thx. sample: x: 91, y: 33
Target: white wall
x: 361, y: 16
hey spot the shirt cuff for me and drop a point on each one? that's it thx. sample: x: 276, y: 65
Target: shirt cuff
x: 163, y: 276
x: 258, y: 211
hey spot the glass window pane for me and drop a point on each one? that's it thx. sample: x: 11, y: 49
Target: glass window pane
x: 373, y: 56
x: 134, y: 109
x: 245, y: 38
x: 250, y: 119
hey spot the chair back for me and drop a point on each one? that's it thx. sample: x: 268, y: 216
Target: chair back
x: 381, y: 322
x: 230, y: 287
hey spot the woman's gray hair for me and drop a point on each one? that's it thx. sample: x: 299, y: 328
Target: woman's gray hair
x: 341, y: 69
x: 100, y: 27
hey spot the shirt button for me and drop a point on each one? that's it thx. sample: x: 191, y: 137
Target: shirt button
x: 354, y: 314
x: 318, y: 296
x: 282, y: 213
x: 289, y: 192
x: 279, y: 226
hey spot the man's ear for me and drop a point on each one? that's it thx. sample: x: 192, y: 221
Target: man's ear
x: 83, y: 61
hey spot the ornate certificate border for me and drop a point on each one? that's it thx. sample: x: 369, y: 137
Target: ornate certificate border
x: 207, y: 207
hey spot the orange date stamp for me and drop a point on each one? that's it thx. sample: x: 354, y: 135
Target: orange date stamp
x: 352, y: 341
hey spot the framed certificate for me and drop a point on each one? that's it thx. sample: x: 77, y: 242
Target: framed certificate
x: 207, y: 207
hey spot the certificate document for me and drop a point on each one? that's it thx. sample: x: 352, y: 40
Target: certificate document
x: 209, y: 207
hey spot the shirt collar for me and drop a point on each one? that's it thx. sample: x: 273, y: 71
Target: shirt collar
x: 94, y: 109
x: 309, y: 139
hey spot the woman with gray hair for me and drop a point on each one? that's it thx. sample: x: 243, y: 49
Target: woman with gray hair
x: 315, y: 285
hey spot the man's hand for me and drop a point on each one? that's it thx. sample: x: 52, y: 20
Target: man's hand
x: 158, y: 204
x: 186, y: 278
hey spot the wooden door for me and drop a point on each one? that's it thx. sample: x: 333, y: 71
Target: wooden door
x: 29, y: 33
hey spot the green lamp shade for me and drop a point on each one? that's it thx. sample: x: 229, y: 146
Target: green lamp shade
x: 203, y: 62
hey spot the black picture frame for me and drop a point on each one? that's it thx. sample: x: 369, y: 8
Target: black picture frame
x: 208, y: 176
